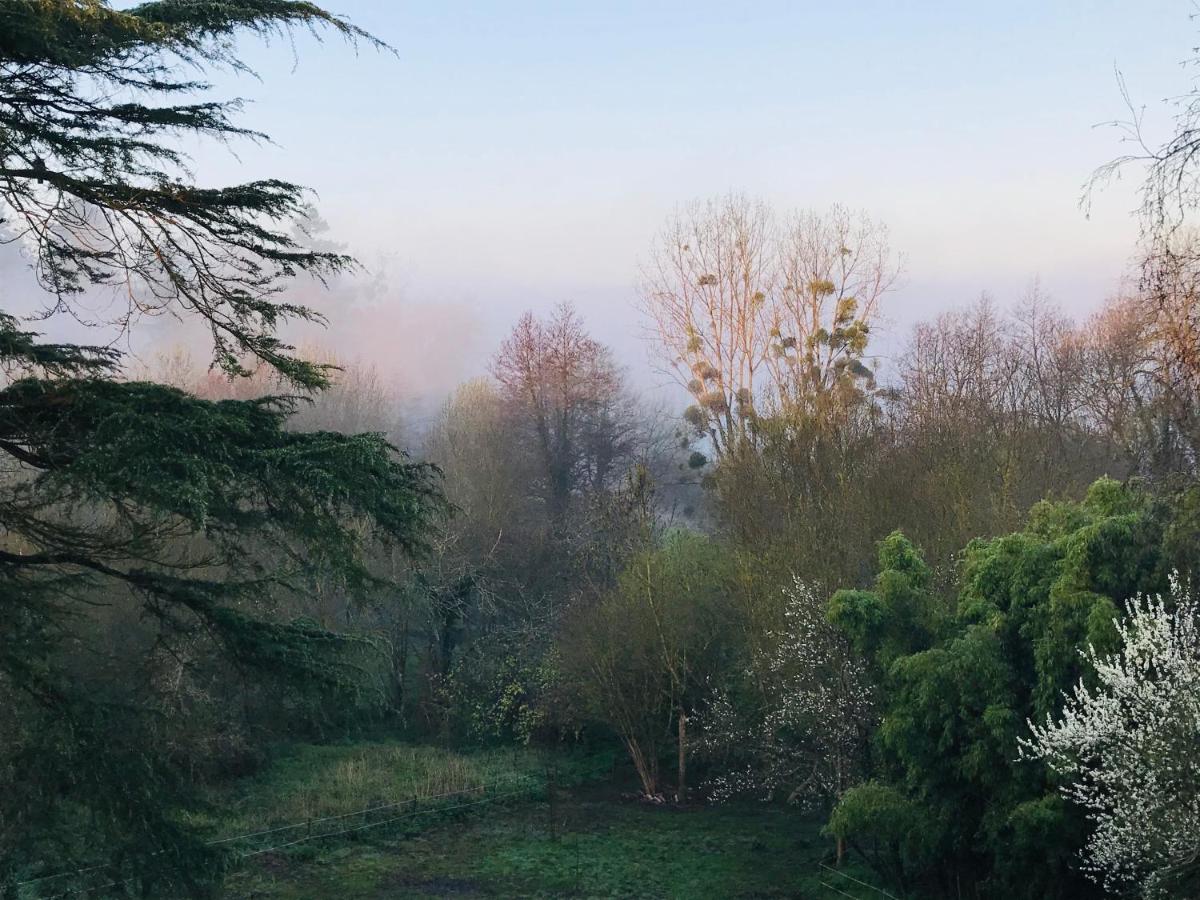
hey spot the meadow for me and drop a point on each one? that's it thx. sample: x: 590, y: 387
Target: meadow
x: 594, y: 840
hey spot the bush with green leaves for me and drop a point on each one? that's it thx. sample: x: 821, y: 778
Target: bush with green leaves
x: 640, y: 657
x: 959, y: 683
x: 504, y: 692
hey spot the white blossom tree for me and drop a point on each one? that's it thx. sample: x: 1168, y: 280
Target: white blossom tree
x: 805, y: 737
x: 1128, y: 747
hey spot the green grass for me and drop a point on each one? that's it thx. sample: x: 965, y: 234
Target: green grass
x: 310, y: 782
x: 590, y: 843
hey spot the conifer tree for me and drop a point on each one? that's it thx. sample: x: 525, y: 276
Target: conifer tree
x: 115, y: 490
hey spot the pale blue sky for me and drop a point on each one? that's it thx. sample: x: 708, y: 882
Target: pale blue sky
x: 518, y: 154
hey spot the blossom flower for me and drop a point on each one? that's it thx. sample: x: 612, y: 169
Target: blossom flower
x: 1126, y: 748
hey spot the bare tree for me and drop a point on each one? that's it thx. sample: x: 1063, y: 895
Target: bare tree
x: 1120, y: 392
x: 569, y: 397
x: 834, y: 269
x: 955, y: 370
x: 1170, y: 188
x: 706, y: 289
x: 993, y: 411
x: 752, y: 317
x: 1171, y: 302
x: 1170, y: 271
x: 1049, y: 355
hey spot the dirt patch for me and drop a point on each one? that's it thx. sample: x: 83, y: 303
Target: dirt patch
x: 274, y: 864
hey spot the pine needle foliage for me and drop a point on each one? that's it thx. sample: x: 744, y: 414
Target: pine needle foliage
x: 198, y: 514
x: 93, y: 102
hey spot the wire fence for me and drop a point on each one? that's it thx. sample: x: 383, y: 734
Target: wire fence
x: 415, y: 806
x: 830, y: 887
x: 849, y: 877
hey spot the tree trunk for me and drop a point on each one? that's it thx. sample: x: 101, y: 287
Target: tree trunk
x: 681, y: 793
x: 400, y: 664
x: 839, y: 789
x: 647, y: 769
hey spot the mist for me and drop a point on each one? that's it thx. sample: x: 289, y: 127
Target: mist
x: 642, y: 450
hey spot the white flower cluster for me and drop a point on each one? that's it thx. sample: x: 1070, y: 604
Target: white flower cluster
x: 805, y: 735
x: 1130, y: 748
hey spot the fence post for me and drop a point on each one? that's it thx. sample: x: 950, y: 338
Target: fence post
x: 552, y: 799
x: 681, y: 790
x: 577, y: 872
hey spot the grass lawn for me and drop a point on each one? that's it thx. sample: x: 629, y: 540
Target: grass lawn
x: 589, y: 843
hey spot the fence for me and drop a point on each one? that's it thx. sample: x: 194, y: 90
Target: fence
x: 380, y: 815
x: 314, y: 829
x: 848, y: 877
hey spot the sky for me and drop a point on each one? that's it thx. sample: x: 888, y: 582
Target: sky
x: 513, y: 155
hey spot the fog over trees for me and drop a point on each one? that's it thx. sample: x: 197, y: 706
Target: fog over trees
x: 284, y: 608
